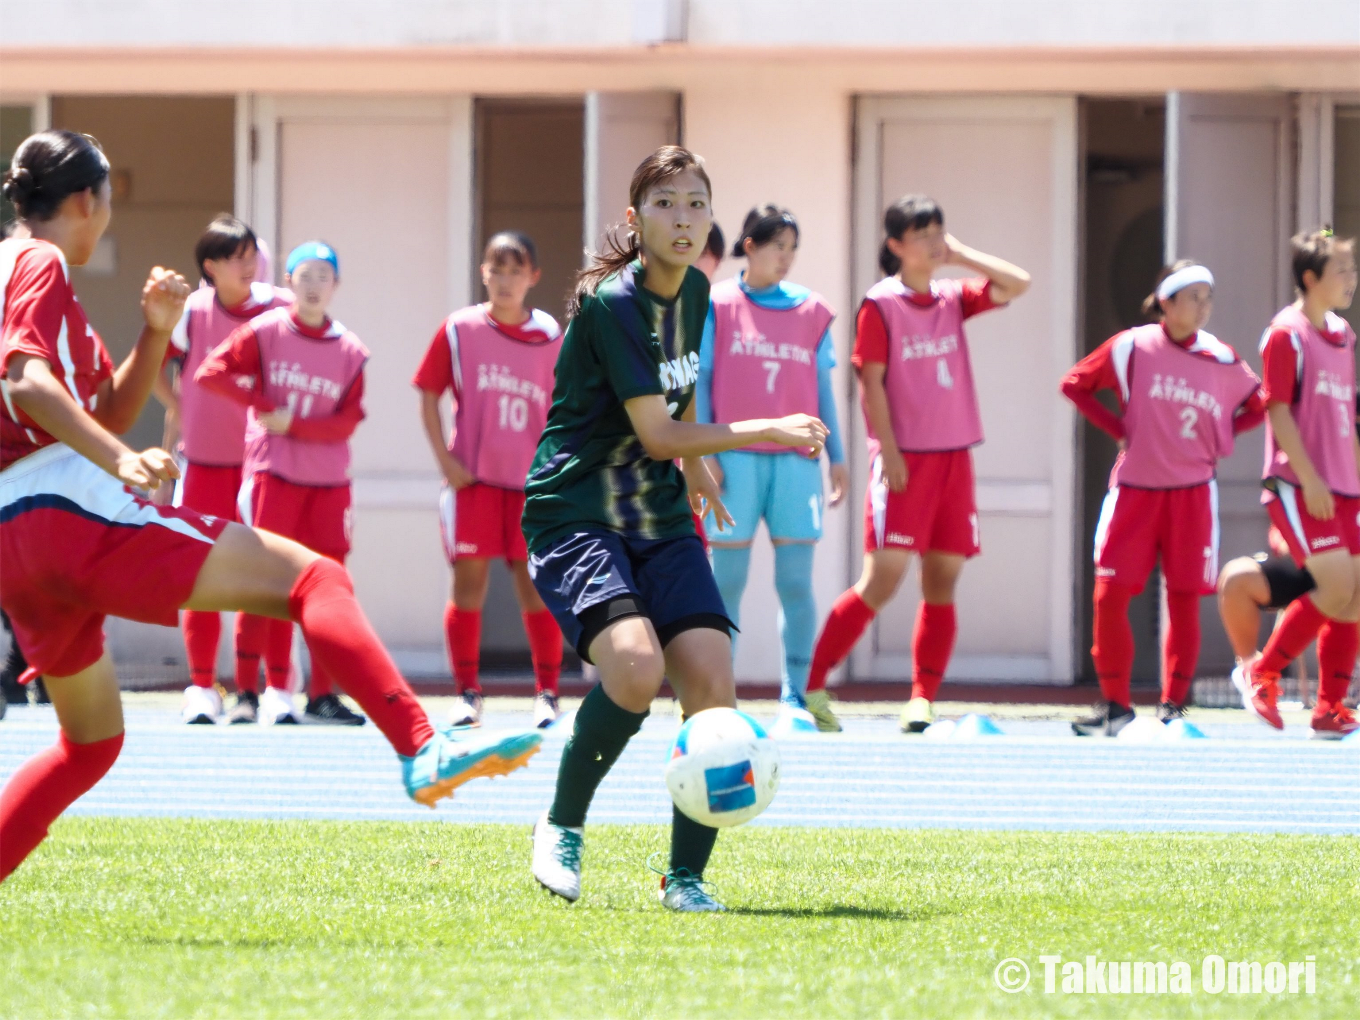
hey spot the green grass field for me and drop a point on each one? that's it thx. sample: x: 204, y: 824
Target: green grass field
x: 150, y: 918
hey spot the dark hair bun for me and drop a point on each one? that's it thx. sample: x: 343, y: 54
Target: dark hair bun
x: 18, y: 185
x: 49, y: 166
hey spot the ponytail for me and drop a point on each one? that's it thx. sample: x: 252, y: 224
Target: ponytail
x: 762, y: 225
x: 663, y: 164
x: 911, y: 212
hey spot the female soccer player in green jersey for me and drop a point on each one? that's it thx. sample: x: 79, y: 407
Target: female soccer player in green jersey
x: 612, y: 546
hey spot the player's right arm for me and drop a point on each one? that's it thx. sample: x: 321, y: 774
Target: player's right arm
x: 452, y: 468
x: 870, y: 359
x: 1279, y: 369
x: 1088, y: 376
x: 37, y: 393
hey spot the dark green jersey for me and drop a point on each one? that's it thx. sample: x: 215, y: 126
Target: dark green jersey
x: 590, y: 470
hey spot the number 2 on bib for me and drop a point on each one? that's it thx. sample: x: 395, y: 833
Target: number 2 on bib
x: 1189, y: 419
x: 514, y: 412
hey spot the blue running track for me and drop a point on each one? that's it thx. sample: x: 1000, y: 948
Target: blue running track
x: 1244, y: 779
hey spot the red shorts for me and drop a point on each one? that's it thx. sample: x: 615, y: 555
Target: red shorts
x: 1179, y: 525
x: 482, y: 521
x: 936, y: 512
x: 210, y: 490
x: 1306, y: 535
x: 317, y: 516
x: 77, y: 546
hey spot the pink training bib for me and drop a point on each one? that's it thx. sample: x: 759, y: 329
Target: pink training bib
x: 502, y: 387
x: 213, y: 428
x: 311, y: 376
x: 1179, y: 404
x: 764, y: 360
x: 1325, y: 408
x: 929, y: 379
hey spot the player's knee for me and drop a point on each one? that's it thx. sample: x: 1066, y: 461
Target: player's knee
x: 1234, y: 571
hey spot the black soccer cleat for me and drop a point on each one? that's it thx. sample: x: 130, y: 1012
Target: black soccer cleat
x: 329, y: 710
x: 1107, y: 720
x: 246, y: 709
x: 1169, y: 711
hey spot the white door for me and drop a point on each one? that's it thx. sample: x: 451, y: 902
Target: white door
x: 622, y: 129
x: 1230, y: 193
x: 1005, y: 171
x: 389, y: 184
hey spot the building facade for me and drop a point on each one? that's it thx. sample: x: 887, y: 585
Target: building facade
x: 1086, y: 142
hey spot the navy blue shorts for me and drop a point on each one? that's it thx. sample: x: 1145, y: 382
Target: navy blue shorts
x: 591, y: 578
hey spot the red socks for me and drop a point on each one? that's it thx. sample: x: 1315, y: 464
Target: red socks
x: 251, y: 634
x: 1180, y: 652
x: 1112, y: 649
x: 1338, y: 643
x: 342, y: 642
x: 844, y: 626
x: 1298, y: 627
x: 202, y: 633
x: 278, y: 652
x: 45, y: 786
x: 931, y: 646
x: 463, y: 632
x: 545, y: 647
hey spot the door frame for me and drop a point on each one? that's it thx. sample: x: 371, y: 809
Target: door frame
x: 1054, y: 498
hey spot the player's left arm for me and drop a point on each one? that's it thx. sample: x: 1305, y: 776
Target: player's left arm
x: 120, y: 399
x: 335, y: 427
x: 1008, y: 280
x: 826, y: 410
x: 1251, y: 414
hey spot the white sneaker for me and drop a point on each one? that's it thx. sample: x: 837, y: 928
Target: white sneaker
x: 557, y: 858
x: 467, y: 710
x: 202, y: 706
x: 276, y: 708
x: 546, y: 710
x: 686, y: 894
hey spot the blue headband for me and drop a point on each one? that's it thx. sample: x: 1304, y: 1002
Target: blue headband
x: 310, y: 251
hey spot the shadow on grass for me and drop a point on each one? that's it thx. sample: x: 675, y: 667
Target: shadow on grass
x: 844, y: 910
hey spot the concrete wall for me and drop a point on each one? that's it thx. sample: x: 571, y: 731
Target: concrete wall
x: 561, y: 24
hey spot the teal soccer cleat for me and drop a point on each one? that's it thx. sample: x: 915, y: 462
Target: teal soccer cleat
x: 447, y: 761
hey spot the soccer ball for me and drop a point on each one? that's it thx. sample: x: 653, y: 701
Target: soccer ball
x: 724, y: 769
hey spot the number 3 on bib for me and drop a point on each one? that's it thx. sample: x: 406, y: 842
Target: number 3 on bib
x: 942, y: 375
x: 514, y: 412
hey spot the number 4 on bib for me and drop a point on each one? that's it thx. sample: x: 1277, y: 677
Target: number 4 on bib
x: 942, y: 375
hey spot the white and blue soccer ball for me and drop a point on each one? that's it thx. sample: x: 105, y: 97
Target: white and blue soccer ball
x: 724, y: 768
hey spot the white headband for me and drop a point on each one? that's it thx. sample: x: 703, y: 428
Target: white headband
x: 1183, y: 278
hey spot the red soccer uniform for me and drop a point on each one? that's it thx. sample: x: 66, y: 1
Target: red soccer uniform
x: 43, y: 318
x: 482, y: 520
x: 76, y: 544
x: 938, y: 508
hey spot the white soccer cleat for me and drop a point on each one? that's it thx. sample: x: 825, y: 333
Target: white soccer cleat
x: 466, y: 710
x: 276, y: 708
x: 686, y: 894
x: 546, y: 710
x: 557, y: 858
x: 202, y: 706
